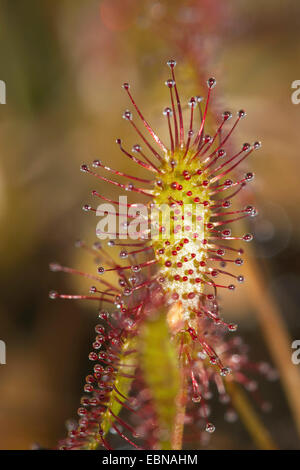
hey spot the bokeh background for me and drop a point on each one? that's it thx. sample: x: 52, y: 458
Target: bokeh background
x: 63, y: 63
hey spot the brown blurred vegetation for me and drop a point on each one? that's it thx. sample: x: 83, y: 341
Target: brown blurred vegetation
x: 63, y: 63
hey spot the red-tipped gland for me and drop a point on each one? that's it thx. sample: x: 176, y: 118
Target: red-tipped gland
x: 171, y: 63
x: 226, y: 115
x: 167, y: 112
x: 127, y: 115
x: 211, y: 82
x: 248, y: 237
x: 170, y: 83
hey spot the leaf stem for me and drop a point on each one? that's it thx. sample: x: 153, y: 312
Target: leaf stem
x: 255, y: 427
x: 178, y: 428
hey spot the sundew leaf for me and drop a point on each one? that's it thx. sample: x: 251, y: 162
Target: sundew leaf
x: 159, y: 366
x: 123, y: 385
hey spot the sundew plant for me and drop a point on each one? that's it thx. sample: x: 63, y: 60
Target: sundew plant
x: 162, y: 348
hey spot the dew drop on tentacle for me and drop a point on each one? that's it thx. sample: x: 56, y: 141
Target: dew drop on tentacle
x: 170, y: 83
x: 232, y: 326
x: 127, y: 115
x: 171, y: 63
x: 257, y: 145
x: 210, y: 427
x: 196, y: 398
x: 167, y: 112
x: 226, y: 115
x: 249, y: 176
x: 211, y: 82
x: 123, y: 254
x: 127, y: 291
x: 55, y: 267
x: 53, y: 295
x: 248, y: 237
x: 136, y: 268
x: 225, y: 371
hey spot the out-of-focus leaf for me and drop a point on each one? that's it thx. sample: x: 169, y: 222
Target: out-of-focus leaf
x: 159, y: 364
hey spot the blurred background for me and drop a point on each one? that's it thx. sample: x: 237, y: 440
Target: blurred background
x: 63, y: 63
